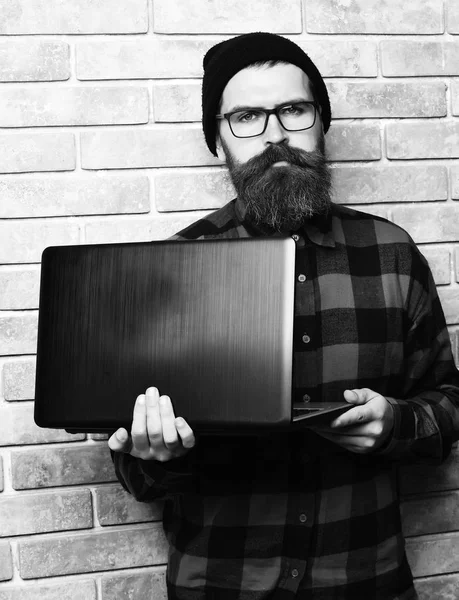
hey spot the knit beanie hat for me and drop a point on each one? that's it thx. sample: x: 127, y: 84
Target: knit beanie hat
x: 229, y: 57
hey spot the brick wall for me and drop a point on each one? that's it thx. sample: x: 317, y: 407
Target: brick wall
x: 100, y: 141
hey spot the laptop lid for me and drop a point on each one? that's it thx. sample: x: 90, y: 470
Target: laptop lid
x: 209, y: 322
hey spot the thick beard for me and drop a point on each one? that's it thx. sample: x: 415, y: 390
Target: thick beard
x: 282, y: 198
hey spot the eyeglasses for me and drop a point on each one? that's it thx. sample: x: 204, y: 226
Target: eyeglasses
x: 295, y: 116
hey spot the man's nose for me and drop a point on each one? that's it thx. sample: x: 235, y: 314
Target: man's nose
x: 274, y: 133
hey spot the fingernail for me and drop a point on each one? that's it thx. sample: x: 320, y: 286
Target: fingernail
x: 179, y: 422
x: 122, y: 435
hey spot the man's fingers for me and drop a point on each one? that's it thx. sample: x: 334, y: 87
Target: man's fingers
x: 363, y: 412
x: 120, y: 441
x: 359, y: 396
x: 170, y: 435
x: 185, y: 432
x: 154, y: 427
x: 155, y: 433
x: 139, y: 425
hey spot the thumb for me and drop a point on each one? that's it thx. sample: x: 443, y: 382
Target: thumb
x: 359, y: 396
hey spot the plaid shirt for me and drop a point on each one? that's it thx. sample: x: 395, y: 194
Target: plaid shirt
x: 292, y: 515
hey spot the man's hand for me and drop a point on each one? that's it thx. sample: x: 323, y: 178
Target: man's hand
x: 156, y: 433
x: 364, y: 428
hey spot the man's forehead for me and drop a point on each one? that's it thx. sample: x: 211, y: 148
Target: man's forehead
x: 266, y: 85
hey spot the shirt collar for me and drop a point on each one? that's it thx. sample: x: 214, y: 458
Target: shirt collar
x: 319, y: 229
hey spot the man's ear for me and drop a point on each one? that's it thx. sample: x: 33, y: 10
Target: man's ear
x: 220, y: 152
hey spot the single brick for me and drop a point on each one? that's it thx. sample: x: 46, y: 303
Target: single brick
x: 106, y: 232
x: 68, y: 16
x: 353, y: 142
x: 180, y: 190
x: 73, y: 106
x: 70, y: 590
x: 342, y: 59
x: 23, y: 514
x: 408, y: 58
x: 449, y: 298
x: 430, y: 223
x: 362, y: 184
x: 49, y: 467
x: 34, y: 60
x: 19, y: 288
x: 439, y: 260
x: 455, y: 96
x: 19, y: 427
x: 232, y: 16
x: 415, y: 59
x: 19, y: 379
x: 381, y: 99
x: 6, y: 564
x: 18, y: 334
x: 24, y: 241
x: 115, y: 506
x: 101, y: 437
x: 372, y: 16
x: 61, y: 196
x: 433, y: 555
x: 452, y: 13
x: 445, y: 587
x: 161, y: 57
x: 419, y: 479
x: 139, y: 585
x: 140, y: 148
x: 99, y: 551
x: 177, y: 102
x: 27, y: 152
x: 118, y: 231
x: 422, y: 140
x: 433, y: 514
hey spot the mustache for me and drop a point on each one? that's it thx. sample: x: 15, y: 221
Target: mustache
x: 276, y: 153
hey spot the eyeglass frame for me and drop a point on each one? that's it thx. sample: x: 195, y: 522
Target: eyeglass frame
x: 268, y: 112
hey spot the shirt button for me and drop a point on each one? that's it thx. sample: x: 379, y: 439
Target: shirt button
x: 295, y: 237
x: 306, y: 398
x: 303, y: 518
x: 295, y: 573
x: 301, y: 278
x: 306, y: 339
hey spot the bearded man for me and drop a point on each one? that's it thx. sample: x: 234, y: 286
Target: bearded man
x: 304, y: 515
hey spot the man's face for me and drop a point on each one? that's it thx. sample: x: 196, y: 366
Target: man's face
x: 266, y: 87
x: 280, y: 176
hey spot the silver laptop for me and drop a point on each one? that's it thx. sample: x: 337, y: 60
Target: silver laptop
x: 210, y: 323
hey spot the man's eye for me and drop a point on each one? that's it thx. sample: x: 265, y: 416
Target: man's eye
x: 248, y: 117
x: 292, y: 110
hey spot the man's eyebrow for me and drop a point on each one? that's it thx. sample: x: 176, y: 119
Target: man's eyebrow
x: 241, y: 107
